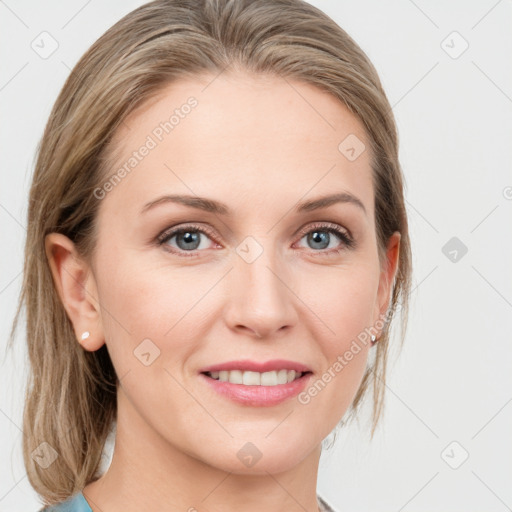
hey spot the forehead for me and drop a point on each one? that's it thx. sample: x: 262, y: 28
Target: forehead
x: 240, y: 136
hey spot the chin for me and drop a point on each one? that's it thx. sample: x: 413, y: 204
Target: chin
x: 259, y: 456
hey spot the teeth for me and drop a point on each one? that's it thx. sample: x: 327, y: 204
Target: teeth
x: 292, y: 374
x: 255, y: 378
x: 251, y: 378
x: 236, y: 377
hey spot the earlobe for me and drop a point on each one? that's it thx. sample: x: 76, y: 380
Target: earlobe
x: 76, y: 289
x: 91, y: 341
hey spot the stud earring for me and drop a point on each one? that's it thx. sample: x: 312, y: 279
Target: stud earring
x: 374, y: 339
x: 85, y: 335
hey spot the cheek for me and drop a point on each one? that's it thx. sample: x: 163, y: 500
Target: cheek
x: 342, y: 298
x: 141, y: 301
x: 343, y: 302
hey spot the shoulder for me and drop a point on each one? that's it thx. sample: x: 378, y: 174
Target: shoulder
x: 76, y: 503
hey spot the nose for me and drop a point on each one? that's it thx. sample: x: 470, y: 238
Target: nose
x: 261, y: 301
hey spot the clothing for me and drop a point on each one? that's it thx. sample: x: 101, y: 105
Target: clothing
x: 78, y: 503
x: 324, y: 506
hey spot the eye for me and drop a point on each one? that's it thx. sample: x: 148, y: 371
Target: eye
x: 320, y: 237
x: 187, y: 239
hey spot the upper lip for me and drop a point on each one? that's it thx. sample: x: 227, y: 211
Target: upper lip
x: 257, y: 366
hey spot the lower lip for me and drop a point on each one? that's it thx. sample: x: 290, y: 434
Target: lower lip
x: 258, y: 396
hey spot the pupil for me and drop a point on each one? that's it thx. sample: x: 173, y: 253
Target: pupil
x: 320, y: 237
x: 188, y: 238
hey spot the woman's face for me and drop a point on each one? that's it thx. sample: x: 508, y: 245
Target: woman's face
x: 257, y: 275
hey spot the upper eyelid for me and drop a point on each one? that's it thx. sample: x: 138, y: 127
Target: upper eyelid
x: 171, y: 232
x: 325, y: 224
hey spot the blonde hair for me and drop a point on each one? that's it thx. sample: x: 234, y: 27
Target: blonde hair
x: 71, y: 393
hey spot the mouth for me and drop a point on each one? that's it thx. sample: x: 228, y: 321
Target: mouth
x: 256, y: 389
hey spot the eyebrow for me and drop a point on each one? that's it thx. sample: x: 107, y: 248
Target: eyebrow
x: 216, y: 207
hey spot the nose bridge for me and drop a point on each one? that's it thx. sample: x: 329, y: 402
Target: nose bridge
x: 260, y: 298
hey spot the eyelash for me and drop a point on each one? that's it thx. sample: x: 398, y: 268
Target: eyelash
x: 346, y: 239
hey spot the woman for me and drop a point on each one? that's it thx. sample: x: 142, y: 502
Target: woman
x: 217, y: 245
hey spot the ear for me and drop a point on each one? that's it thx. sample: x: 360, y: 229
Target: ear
x: 387, y: 277
x: 77, y: 289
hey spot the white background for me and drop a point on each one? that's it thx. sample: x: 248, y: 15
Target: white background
x: 453, y: 380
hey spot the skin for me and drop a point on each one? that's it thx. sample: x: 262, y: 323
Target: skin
x: 260, y: 146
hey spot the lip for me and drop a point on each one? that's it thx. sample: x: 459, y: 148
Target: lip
x: 256, y: 366
x: 258, y: 396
